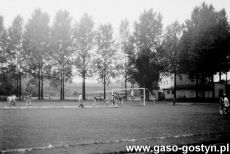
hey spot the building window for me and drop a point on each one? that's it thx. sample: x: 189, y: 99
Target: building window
x: 168, y: 92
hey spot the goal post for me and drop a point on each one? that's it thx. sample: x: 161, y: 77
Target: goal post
x: 132, y: 94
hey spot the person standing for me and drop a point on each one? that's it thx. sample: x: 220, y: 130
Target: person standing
x: 132, y: 95
x: 80, y: 100
x: 226, y: 104
x: 221, y: 104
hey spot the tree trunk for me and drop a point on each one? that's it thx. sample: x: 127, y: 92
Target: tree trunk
x: 126, y: 88
x: 104, y: 83
x: 213, y: 87
x: 203, y: 87
x: 132, y: 84
x: 147, y: 86
x: 175, y: 87
x: 63, y: 82
x: 83, y: 77
x: 226, y: 82
x: 61, y: 87
x: 126, y: 95
x: 197, y: 86
x: 220, y: 76
x: 83, y: 86
x: 39, y: 84
x: 20, y: 85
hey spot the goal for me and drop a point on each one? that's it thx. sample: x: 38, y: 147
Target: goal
x: 132, y: 95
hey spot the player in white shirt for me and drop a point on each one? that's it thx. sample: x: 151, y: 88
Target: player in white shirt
x: 132, y: 95
x: 226, y: 105
x: 11, y: 100
x: 80, y: 100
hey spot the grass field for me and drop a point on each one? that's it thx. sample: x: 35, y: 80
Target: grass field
x: 108, y: 129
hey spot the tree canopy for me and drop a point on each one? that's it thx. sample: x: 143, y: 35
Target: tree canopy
x: 144, y: 64
x: 205, y: 41
x: 36, y: 47
x: 105, y: 61
x: 83, y: 43
x: 62, y: 51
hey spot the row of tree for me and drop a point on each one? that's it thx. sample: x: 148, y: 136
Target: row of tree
x: 199, y: 48
x: 53, y: 52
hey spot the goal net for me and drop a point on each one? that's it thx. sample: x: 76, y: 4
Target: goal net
x: 131, y: 95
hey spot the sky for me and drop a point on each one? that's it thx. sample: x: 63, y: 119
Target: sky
x: 107, y: 11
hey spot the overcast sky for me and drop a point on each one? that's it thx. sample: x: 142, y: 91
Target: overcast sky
x: 104, y: 11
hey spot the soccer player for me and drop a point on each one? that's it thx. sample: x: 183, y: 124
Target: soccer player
x: 114, y: 99
x: 226, y: 104
x: 221, y: 104
x: 174, y: 101
x: 94, y: 100
x: 28, y: 99
x: 80, y: 100
x: 119, y: 98
x: 12, y: 100
x: 132, y: 95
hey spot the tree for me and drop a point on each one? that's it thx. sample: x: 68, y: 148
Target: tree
x: 124, y: 36
x: 36, y: 47
x: 171, y: 48
x: 7, y: 68
x: 145, y: 65
x: 105, y: 64
x: 204, y: 44
x: 83, y: 43
x: 62, y: 50
x: 4, y: 52
x: 15, y: 46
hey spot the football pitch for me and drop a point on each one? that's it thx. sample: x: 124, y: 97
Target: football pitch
x: 62, y: 127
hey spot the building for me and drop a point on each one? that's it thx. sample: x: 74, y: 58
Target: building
x: 186, y: 88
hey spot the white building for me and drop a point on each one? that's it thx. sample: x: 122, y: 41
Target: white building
x: 186, y: 88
